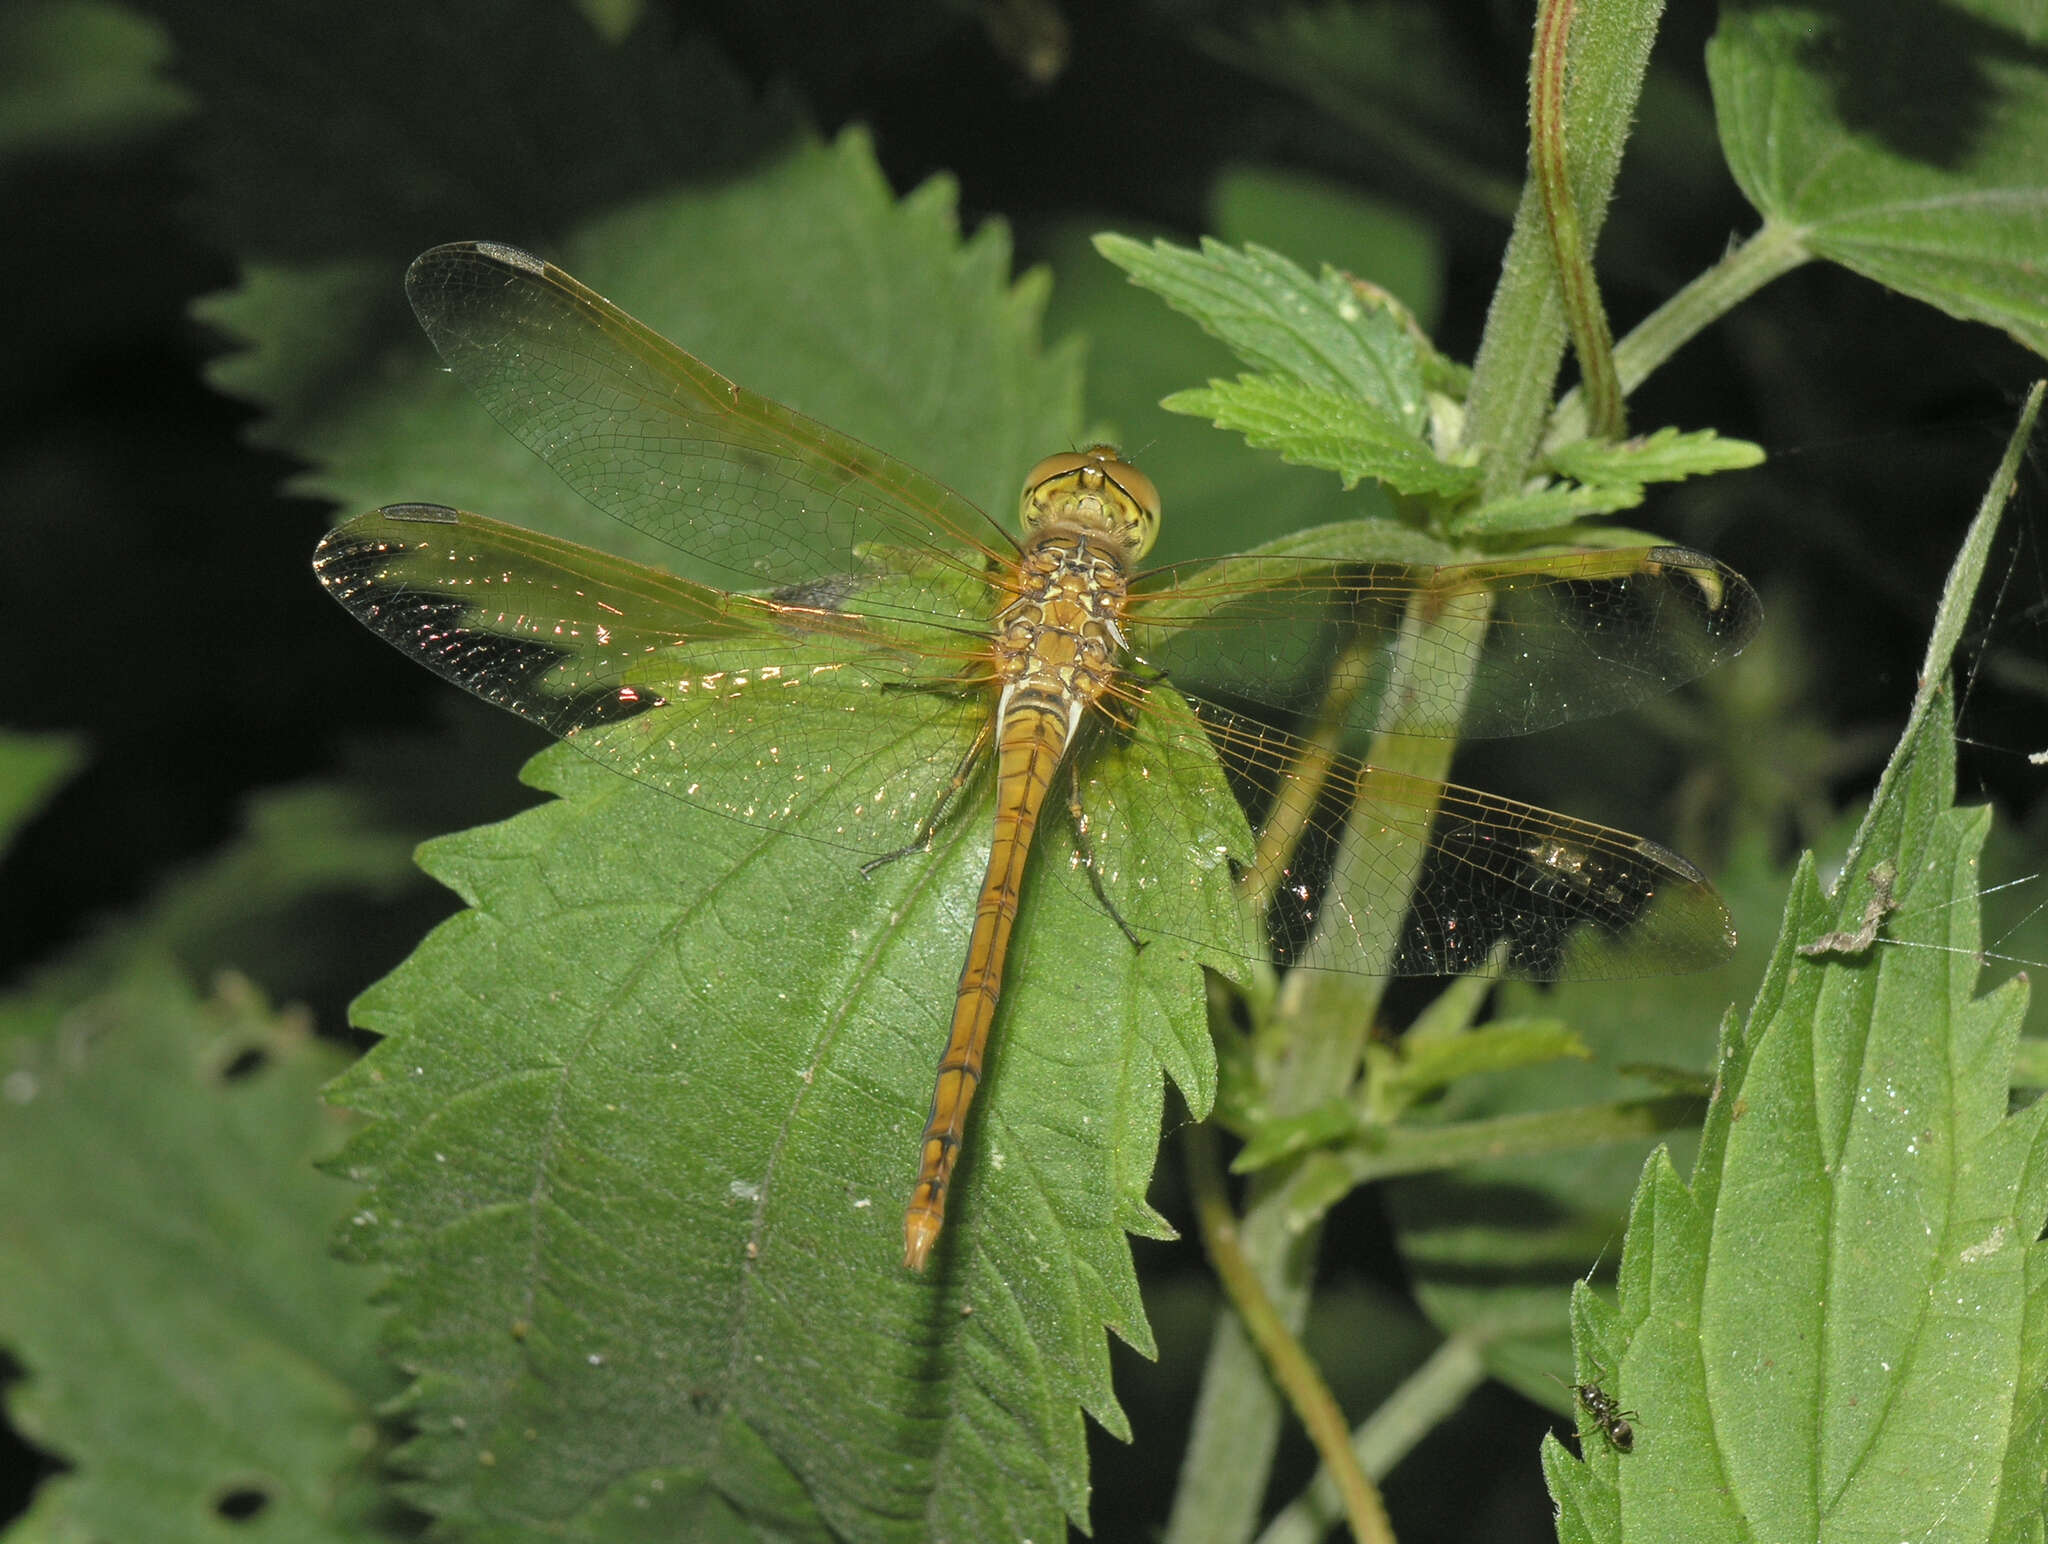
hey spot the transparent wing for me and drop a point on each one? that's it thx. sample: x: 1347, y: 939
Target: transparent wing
x: 787, y: 711
x: 1389, y: 874
x: 1546, y: 639
x: 755, y: 492
x: 779, y: 711
x: 780, y: 708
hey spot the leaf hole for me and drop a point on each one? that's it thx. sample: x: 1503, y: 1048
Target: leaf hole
x: 246, y: 1064
x: 243, y: 1503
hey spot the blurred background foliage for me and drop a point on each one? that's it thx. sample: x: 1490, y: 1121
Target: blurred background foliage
x: 249, y: 772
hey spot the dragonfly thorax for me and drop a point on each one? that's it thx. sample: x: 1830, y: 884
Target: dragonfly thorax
x: 1095, y: 491
x: 1057, y: 643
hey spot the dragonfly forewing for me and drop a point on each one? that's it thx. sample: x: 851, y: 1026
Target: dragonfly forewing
x: 1567, y: 636
x: 756, y: 493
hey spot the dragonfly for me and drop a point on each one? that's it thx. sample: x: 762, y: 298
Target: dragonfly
x: 818, y: 580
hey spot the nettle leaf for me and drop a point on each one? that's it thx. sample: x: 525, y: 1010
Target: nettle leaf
x: 1668, y: 455
x: 1900, y: 141
x: 1221, y: 494
x: 1836, y: 1330
x: 647, y: 1114
x: 1310, y: 427
x: 1325, y: 333
x: 164, y: 1270
x: 77, y: 76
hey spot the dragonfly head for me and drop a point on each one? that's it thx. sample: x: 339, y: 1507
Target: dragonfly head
x: 1097, y: 491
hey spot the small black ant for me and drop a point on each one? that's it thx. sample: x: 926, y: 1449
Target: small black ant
x: 1605, y: 1412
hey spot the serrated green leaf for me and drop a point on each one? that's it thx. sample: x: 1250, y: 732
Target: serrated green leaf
x: 188, y: 1343
x: 1861, y: 1118
x: 1585, y: 1512
x: 1668, y: 455
x: 32, y: 768
x: 647, y: 1114
x: 1310, y: 427
x: 1546, y: 509
x: 1320, y: 332
x: 1899, y: 143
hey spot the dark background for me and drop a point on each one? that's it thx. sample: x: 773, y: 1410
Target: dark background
x: 155, y: 587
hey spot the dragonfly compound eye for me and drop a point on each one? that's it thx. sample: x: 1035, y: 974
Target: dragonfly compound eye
x: 1093, y: 489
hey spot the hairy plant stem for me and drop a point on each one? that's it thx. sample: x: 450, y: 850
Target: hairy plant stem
x: 1290, y: 1365
x: 1570, y: 251
x: 1516, y: 367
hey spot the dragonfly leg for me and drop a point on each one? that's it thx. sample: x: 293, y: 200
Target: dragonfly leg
x: 921, y: 838
x: 1080, y: 818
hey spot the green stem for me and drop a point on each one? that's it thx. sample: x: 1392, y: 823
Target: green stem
x: 1585, y: 316
x: 1236, y: 1423
x: 1712, y: 294
x: 1426, y: 1398
x: 1290, y: 1365
x: 1516, y: 368
x: 1316, y: 1037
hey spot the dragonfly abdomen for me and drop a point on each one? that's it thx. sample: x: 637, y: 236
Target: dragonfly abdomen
x: 1030, y: 745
